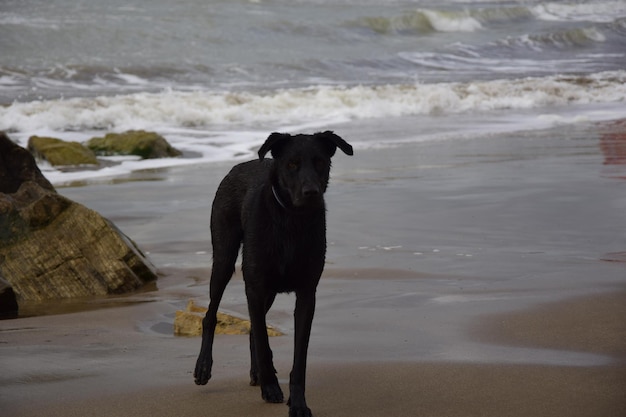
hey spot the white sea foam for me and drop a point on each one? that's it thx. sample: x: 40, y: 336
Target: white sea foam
x: 322, y: 104
x: 451, y: 22
x: 588, y: 11
x: 210, y: 126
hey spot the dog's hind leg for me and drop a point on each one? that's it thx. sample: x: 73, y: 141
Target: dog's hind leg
x: 254, y: 372
x: 224, y: 258
x: 258, y: 303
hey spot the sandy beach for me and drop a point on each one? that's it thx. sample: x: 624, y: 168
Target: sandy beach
x: 478, y: 277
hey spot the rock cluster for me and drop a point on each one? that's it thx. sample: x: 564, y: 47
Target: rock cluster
x: 52, y: 247
x: 57, y: 152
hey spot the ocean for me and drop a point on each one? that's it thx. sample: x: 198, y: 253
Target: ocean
x: 215, y: 77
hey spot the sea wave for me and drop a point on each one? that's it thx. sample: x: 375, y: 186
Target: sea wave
x: 420, y: 21
x: 575, y: 50
x: 469, y: 20
x: 497, y: 65
x: 319, y: 103
x: 560, y: 39
x: 25, y: 84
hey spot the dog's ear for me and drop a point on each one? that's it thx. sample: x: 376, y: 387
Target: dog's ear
x: 273, y: 143
x: 332, y: 142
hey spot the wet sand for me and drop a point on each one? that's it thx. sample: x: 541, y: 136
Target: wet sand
x: 595, y: 323
x: 98, y: 364
x: 471, y: 277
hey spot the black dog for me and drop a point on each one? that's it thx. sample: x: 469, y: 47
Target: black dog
x: 276, y: 208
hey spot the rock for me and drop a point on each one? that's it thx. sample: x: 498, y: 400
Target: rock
x: 147, y: 145
x: 52, y: 247
x: 61, y: 153
x: 189, y: 323
x: 17, y: 166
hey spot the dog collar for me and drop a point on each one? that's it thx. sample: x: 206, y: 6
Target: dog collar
x: 278, y: 199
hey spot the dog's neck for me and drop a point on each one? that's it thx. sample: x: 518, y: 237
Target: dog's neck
x: 278, y: 199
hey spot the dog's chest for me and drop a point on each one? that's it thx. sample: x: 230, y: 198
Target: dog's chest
x: 288, y: 253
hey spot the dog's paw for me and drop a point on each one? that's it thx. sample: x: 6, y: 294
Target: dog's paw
x: 272, y: 393
x: 300, y: 412
x: 202, y: 373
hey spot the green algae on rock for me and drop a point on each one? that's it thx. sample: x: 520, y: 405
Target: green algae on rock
x: 146, y: 145
x: 61, y: 153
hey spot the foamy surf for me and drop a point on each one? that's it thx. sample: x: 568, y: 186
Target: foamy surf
x: 325, y: 104
x: 588, y: 11
x: 208, y: 127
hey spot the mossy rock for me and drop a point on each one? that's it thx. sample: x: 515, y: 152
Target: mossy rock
x: 147, y: 145
x: 59, y: 152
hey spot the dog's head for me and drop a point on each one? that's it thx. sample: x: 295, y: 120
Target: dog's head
x: 302, y: 165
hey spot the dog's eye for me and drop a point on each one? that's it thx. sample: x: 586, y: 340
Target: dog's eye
x: 293, y: 166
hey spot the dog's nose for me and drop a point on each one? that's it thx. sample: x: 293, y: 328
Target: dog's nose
x: 310, y: 191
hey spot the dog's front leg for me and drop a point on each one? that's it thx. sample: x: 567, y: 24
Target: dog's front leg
x: 257, y: 302
x: 305, y: 309
x: 204, y: 363
x: 219, y: 279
